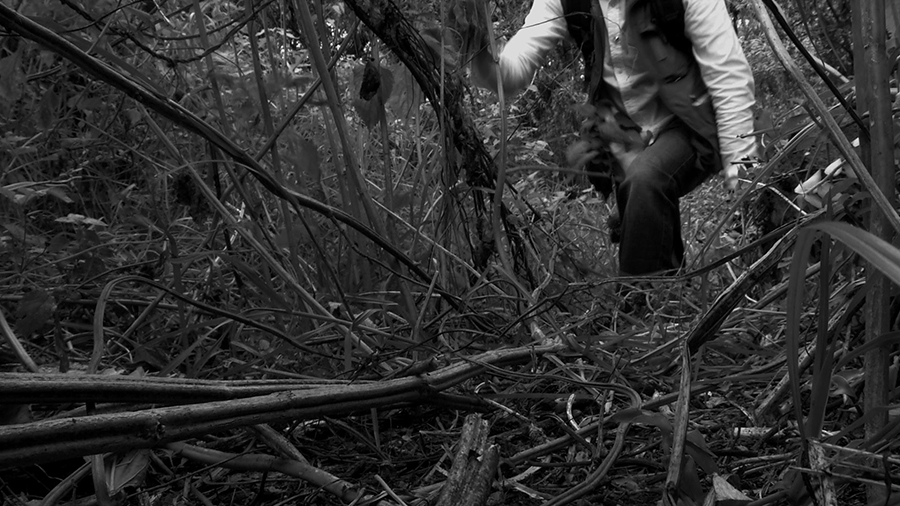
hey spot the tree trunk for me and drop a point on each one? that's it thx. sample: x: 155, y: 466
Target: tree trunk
x: 873, y: 97
x: 445, y: 93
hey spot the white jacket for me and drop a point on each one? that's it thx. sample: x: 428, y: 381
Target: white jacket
x: 716, y: 47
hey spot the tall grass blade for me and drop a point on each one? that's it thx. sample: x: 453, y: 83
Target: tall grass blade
x: 880, y: 254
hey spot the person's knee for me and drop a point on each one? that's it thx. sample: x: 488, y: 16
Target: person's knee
x: 647, y: 175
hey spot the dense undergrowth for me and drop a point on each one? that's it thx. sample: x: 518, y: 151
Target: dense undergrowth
x: 245, y: 270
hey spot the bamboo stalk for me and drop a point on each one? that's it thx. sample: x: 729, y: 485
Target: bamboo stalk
x: 874, y: 103
x: 57, y: 439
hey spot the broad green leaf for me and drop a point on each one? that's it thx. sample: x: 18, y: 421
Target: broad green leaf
x: 724, y: 493
x: 701, y: 453
x: 11, y: 195
x: 34, y: 311
x: 17, y: 232
x: 60, y: 193
x: 59, y: 243
x: 11, y: 77
x: 407, y: 96
x: 370, y: 111
x: 880, y: 253
x: 127, y: 469
x: 842, y: 384
x: 78, y: 219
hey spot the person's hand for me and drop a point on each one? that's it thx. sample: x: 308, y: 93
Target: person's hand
x: 732, y: 178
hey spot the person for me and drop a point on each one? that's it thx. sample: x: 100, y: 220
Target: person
x: 690, y: 92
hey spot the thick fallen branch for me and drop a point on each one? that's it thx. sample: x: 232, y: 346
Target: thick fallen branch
x: 56, y: 439
x: 474, y: 467
x: 74, y: 387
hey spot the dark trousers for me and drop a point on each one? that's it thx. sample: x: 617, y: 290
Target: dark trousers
x: 647, y: 198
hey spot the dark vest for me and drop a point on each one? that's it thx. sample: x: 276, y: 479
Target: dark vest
x: 657, y: 29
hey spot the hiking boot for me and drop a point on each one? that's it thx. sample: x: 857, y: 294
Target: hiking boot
x: 614, y: 223
x: 633, y: 299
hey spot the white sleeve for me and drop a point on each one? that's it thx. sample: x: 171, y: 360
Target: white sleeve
x: 727, y: 74
x: 524, y: 54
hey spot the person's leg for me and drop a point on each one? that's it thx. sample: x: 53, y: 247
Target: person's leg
x: 647, y: 200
